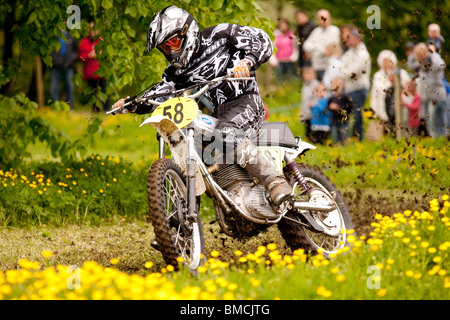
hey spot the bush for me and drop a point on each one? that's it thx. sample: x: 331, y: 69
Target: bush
x: 87, y: 191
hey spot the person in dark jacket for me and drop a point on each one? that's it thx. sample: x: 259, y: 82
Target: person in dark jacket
x: 340, y: 105
x: 304, y: 28
x: 63, y: 67
x: 196, y: 56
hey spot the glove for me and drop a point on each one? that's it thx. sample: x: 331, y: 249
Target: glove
x: 242, y: 69
x: 124, y: 110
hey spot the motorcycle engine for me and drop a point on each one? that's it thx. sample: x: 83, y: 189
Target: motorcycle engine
x: 249, y: 196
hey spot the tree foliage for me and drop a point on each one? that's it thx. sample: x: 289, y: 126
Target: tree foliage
x: 34, y: 25
x: 123, y: 26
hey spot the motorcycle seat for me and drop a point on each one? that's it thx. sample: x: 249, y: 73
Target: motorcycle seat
x: 276, y: 134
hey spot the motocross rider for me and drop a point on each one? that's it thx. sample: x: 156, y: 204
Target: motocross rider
x: 196, y: 56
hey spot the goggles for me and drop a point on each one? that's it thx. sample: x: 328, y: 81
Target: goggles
x: 174, y: 43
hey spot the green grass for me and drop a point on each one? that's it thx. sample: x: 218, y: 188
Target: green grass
x: 96, y: 209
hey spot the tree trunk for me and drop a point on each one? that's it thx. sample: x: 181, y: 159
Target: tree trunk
x: 10, y: 21
x: 398, y: 107
x: 39, y: 82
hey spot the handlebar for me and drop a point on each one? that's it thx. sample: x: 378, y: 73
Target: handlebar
x: 205, y: 86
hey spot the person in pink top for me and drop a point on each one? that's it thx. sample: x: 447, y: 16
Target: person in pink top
x: 411, y: 100
x: 287, y: 50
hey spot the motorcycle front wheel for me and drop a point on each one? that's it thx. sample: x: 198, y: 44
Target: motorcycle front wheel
x: 335, y: 224
x: 176, y: 235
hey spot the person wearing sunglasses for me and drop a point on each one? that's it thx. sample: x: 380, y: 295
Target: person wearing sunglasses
x: 196, y: 56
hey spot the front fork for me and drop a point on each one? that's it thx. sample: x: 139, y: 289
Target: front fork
x: 190, y: 174
x: 190, y: 171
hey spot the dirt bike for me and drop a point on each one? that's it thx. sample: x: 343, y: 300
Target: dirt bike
x: 315, y: 217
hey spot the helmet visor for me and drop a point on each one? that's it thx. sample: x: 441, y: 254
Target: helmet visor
x: 173, y: 44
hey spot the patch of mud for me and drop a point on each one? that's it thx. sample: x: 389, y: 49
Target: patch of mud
x: 365, y: 204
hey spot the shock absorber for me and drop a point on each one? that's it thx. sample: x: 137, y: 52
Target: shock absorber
x: 294, y: 168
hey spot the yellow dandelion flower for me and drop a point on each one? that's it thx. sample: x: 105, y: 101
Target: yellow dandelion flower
x: 114, y: 261
x: 340, y: 277
x: 399, y: 234
x: 381, y: 292
x: 322, y: 291
x: 47, y: 253
x: 255, y: 282
x: 170, y: 268
x: 238, y: 253
x: 437, y: 259
x: 148, y: 264
x: 424, y: 244
x: 232, y: 286
x: 215, y: 253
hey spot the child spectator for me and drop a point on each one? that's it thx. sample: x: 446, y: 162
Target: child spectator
x: 321, y: 115
x: 340, y: 105
x: 334, y: 52
x: 435, y: 38
x: 309, y: 83
x: 411, y: 100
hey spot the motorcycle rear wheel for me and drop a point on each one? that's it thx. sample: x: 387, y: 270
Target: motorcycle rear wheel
x: 175, y: 234
x: 336, y: 223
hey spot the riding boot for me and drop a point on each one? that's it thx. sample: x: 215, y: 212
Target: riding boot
x: 249, y: 158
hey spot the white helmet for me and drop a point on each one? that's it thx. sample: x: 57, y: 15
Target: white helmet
x: 175, y: 33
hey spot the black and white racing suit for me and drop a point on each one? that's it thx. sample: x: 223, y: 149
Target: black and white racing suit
x: 238, y: 105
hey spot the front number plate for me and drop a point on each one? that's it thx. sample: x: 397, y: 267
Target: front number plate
x: 274, y: 155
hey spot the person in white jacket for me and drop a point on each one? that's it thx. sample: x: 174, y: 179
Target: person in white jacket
x: 429, y: 67
x: 333, y: 71
x: 355, y: 71
x: 383, y: 80
x: 320, y: 37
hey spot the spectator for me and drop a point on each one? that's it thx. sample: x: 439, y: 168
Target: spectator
x: 321, y: 115
x: 309, y: 84
x: 356, y: 66
x: 334, y: 52
x: 447, y: 89
x: 382, y: 92
x: 317, y: 41
x: 340, y: 105
x: 435, y: 38
x: 304, y: 28
x: 345, y: 29
x: 88, y: 56
x: 63, y: 67
x: 411, y: 100
x: 430, y: 67
x: 287, y: 53
x: 409, y: 50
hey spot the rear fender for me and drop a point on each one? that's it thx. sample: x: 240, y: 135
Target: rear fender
x: 292, y: 154
x: 176, y: 140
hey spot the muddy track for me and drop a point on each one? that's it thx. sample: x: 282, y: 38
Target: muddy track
x: 130, y: 241
x: 363, y: 205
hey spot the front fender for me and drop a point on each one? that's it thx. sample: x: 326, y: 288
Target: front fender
x: 305, y: 146
x: 174, y: 137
